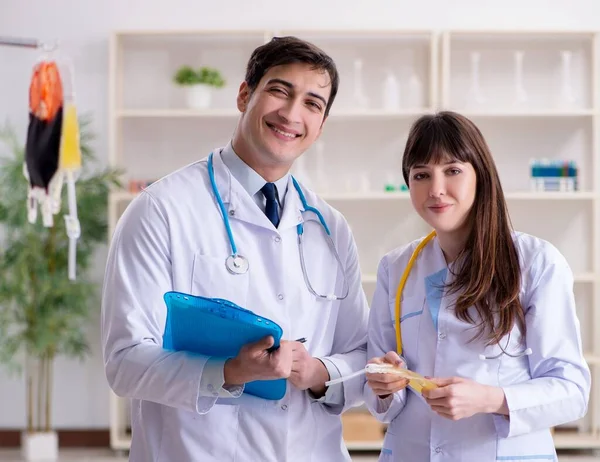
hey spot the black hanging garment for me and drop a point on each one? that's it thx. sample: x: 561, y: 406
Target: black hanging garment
x: 43, y: 141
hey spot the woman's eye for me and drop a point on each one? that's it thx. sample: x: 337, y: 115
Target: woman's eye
x: 454, y: 171
x: 419, y: 176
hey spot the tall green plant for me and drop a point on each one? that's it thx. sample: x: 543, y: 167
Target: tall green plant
x: 42, y: 313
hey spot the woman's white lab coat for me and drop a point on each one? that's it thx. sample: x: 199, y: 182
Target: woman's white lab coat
x: 546, y: 388
x: 172, y: 237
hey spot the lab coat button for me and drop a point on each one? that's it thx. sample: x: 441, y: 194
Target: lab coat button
x: 442, y: 336
x: 284, y: 407
x: 232, y: 213
x: 438, y: 450
x: 277, y: 239
x: 280, y: 296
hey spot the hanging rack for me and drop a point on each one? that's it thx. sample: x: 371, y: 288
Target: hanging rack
x: 27, y: 43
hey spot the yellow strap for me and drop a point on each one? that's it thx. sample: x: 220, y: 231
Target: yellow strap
x: 413, y: 257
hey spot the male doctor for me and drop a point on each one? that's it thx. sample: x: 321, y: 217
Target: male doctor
x: 172, y: 237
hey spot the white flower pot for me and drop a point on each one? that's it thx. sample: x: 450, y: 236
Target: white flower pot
x: 39, y: 446
x: 198, y: 96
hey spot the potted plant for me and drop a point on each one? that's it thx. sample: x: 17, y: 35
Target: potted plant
x: 198, y: 84
x: 42, y: 313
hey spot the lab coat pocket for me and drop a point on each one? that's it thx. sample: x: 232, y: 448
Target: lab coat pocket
x: 535, y: 447
x: 391, y: 450
x: 386, y: 455
x: 410, y: 323
x: 210, y: 278
x: 184, y: 429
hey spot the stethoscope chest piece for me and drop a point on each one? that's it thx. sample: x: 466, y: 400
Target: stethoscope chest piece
x: 236, y: 264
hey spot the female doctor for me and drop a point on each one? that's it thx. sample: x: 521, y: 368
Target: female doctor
x: 487, y: 312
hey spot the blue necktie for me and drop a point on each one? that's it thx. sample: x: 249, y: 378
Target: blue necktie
x: 269, y: 190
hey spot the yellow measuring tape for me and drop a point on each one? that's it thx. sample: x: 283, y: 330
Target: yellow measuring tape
x: 418, y: 383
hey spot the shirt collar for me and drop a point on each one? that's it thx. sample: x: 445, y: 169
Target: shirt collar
x: 250, y: 180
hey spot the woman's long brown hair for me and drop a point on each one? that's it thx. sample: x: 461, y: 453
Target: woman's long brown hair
x: 488, y: 276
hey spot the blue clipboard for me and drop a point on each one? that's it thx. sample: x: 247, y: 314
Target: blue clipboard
x: 216, y: 327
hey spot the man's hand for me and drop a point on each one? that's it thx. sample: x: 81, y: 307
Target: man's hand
x: 458, y: 398
x: 307, y: 372
x: 255, y: 362
x: 384, y: 385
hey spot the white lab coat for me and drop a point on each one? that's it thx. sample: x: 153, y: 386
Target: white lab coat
x: 172, y: 237
x: 547, y: 388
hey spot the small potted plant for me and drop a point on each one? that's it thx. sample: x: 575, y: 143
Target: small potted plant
x: 199, y: 84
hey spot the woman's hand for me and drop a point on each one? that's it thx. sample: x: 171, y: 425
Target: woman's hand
x: 458, y: 398
x: 384, y: 385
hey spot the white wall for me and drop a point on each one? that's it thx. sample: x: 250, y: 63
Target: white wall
x: 83, y: 26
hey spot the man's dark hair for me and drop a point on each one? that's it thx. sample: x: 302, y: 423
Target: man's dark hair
x: 289, y: 50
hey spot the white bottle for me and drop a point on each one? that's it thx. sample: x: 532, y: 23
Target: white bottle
x: 360, y: 99
x: 567, y: 92
x: 301, y: 172
x: 391, y: 93
x: 475, y: 96
x: 521, y: 97
x: 415, y: 97
x: 322, y: 183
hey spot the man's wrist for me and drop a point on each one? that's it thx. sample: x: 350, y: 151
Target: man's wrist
x: 321, y: 375
x: 231, y: 373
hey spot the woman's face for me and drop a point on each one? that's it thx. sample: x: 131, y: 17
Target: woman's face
x: 443, y: 194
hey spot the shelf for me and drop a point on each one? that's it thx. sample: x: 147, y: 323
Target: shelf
x: 377, y: 114
x: 345, y: 115
x: 526, y: 33
x: 592, y: 359
x: 562, y: 440
x: 579, y: 278
x: 120, y: 196
x: 122, y: 444
x: 365, y: 196
x: 585, y: 277
x: 187, y: 32
x: 369, y: 278
x: 364, y: 445
x: 550, y: 195
x: 177, y: 113
x: 576, y: 440
x: 524, y: 195
x: 231, y: 113
x: 527, y: 113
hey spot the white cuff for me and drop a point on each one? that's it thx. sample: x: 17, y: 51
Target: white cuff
x: 334, y: 395
x: 212, y: 382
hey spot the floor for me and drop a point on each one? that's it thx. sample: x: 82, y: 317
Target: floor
x: 108, y: 456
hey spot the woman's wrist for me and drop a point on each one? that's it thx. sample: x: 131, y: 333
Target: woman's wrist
x: 496, y: 401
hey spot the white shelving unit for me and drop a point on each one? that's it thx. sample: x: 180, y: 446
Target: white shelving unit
x: 534, y: 95
x: 152, y: 133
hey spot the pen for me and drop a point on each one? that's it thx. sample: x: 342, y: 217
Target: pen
x: 301, y: 340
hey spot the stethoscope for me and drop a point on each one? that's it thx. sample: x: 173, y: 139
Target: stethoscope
x: 401, y: 285
x: 238, y: 264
